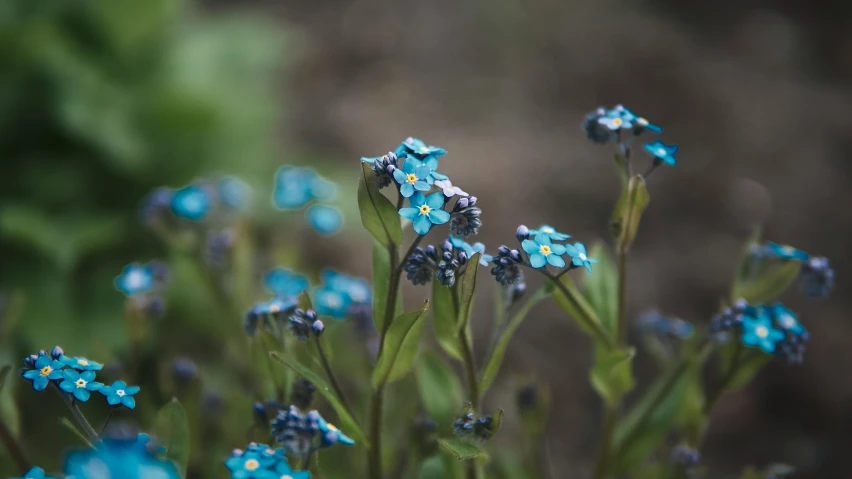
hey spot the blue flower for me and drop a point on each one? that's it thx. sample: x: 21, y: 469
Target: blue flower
x: 357, y: 289
x: 816, y: 279
x: 759, y: 332
x: 638, y: 122
x: 293, y: 187
x: 44, y: 370
x: 786, y: 319
x: 542, y: 251
x: 614, y: 121
x: 79, y: 384
x: 418, y: 148
x: 470, y: 250
x: 250, y: 465
x: 431, y: 161
x: 234, y: 193
x: 135, y: 279
x: 191, y: 202
x: 154, y: 206
x: 322, y: 189
x: 425, y: 211
x: 577, y: 251
x: 550, y: 231
x: 283, y: 470
x: 120, y: 393
x: 413, y: 175
x: 119, y: 458
x: 81, y: 363
x: 35, y: 473
x: 787, y: 252
x: 448, y: 189
x: 595, y: 131
x: 325, y: 219
x: 330, y: 434
x: 662, y: 152
x: 330, y: 301
x: 284, y: 283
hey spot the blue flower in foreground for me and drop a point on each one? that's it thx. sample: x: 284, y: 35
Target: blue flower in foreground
x: 550, y: 231
x: 35, y: 473
x: 293, y: 187
x: 191, y: 202
x: 577, y: 251
x: 322, y: 189
x: 135, y: 279
x: 471, y: 249
x: 416, y: 146
x: 357, y: 289
x: 325, y: 219
x: 79, y: 384
x: 252, y: 464
x: 542, y: 252
x: 614, y: 121
x: 330, y: 301
x: 413, y: 175
x: 120, y: 393
x: 283, y: 470
x: 787, y: 252
x: 425, y: 211
x: 45, y: 370
x: 234, y: 193
x: 759, y: 332
x: 330, y: 434
x: 119, y: 458
x: 786, y: 319
x: 432, y: 162
x: 662, y: 152
x: 285, y: 283
x: 80, y: 363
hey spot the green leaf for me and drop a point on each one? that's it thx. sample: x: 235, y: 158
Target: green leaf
x: 4, y: 374
x: 440, y: 389
x: 601, y: 289
x: 64, y: 421
x: 769, y: 284
x: 648, y: 423
x: 305, y: 302
x: 495, y: 360
x: 497, y: 422
x: 467, y: 292
x: 462, y: 450
x: 747, y: 361
x: 378, y: 215
x: 432, y: 468
x: 625, y: 218
x: 400, y: 347
x: 172, y: 431
x: 381, y: 283
x: 623, y: 174
x: 751, y: 473
x: 445, y: 315
x: 612, y: 374
x: 350, y: 426
x: 576, y: 306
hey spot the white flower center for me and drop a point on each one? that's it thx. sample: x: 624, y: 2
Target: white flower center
x: 424, y: 149
x: 661, y: 152
x: 761, y: 331
x: 582, y: 256
x: 82, y: 362
x: 252, y: 464
x: 81, y: 383
x: 788, y: 321
x: 120, y: 393
x: 547, y: 230
x: 135, y: 279
x: 332, y: 301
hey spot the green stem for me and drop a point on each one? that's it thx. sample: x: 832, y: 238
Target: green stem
x: 78, y: 415
x: 331, y: 377
x: 474, y: 469
x: 600, y: 333
x: 106, y: 421
x: 726, y: 379
x: 605, y: 446
x: 14, y: 447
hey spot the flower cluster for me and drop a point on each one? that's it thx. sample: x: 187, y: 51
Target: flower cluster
x: 129, y: 458
x: 603, y: 126
x: 446, y: 266
x: 259, y: 461
x: 202, y: 200
x: 469, y: 426
x: 816, y: 278
x: 339, y: 294
x: 143, y: 285
x: 302, y: 433
x: 774, y: 329
x: 74, y: 376
x: 296, y: 188
x: 304, y: 322
x: 653, y: 322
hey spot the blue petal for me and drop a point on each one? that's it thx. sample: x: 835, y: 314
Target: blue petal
x: 537, y: 260
x: 82, y: 394
x: 417, y: 200
x: 588, y: 266
x: 67, y: 386
x: 128, y: 402
x: 435, y: 201
x: 325, y: 219
x: 421, y: 185
x: 422, y: 225
x: 399, y: 176
x: 530, y: 246
x: 113, y: 399
x: 556, y: 260
x: 40, y: 383
x: 31, y: 374
x: 557, y: 249
x: 431, y: 161
x: 581, y: 248
x: 132, y: 390
x: 88, y: 376
x: 409, y: 165
x: 439, y: 217
x: 409, y: 213
x: 543, y: 239
x: 422, y: 172
x: 406, y: 190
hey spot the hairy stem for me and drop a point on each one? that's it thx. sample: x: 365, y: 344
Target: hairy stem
x: 331, y: 376
x: 16, y: 451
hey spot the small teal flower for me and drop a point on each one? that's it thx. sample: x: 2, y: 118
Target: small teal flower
x: 330, y: 301
x: 35, y: 473
x: 412, y: 176
x: 542, y: 251
x: 234, y: 193
x: 325, y: 219
x: 471, y: 249
x: 330, y: 434
x: 577, y: 251
x: 448, y: 189
x: 637, y: 121
x: 322, y: 189
x: 786, y: 319
x: 551, y: 232
x: 425, y: 211
x: 283, y: 470
x: 357, y: 289
x: 135, y: 279
x: 251, y: 464
x: 293, y: 187
x: 759, y: 332
x: 191, y: 202
x: 614, y: 121
x: 120, y: 393
x: 787, y: 252
x: 285, y: 283
x: 79, y: 384
x: 81, y: 363
x: 418, y: 148
x: 119, y: 458
x: 45, y: 370
x: 662, y: 152
x: 431, y: 161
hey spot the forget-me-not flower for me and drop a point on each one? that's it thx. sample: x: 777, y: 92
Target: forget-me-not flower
x: 293, y: 187
x: 417, y: 147
x: 471, y: 249
x: 234, y: 192
x: 330, y: 301
x: 662, y: 152
x: 787, y: 252
x: 448, y: 189
x: 285, y: 283
x: 330, y: 434
x: 357, y: 289
x: 35, y: 473
x: 326, y: 220
x: 135, y: 279
x: 786, y: 319
x: 543, y: 251
x: 549, y: 231
x: 413, y: 175
x: 425, y: 211
x: 636, y: 120
x: 577, y: 251
x: 191, y: 202
x: 759, y: 332
x: 119, y: 458
x: 79, y: 384
x: 80, y: 363
x: 44, y: 370
x: 120, y: 393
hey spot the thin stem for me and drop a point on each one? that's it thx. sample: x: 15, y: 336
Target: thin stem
x: 106, y: 421
x: 726, y: 379
x: 622, y: 296
x: 78, y: 414
x: 473, y: 468
x: 599, y: 331
x: 650, y: 170
x: 331, y: 376
x: 605, y: 446
x: 14, y: 447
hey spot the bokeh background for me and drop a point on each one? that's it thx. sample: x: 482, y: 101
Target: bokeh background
x: 103, y: 100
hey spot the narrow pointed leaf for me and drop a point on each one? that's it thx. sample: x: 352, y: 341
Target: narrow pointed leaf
x: 4, y: 374
x: 495, y: 360
x: 462, y: 450
x: 400, y: 347
x: 172, y: 431
x: 467, y: 292
x: 576, y: 306
x: 601, y: 289
x: 65, y: 422
x: 440, y: 389
x: 381, y: 283
x: 628, y: 211
x: 445, y: 316
x: 746, y: 362
x: 378, y: 215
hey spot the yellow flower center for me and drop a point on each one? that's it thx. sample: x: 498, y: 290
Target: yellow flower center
x: 424, y: 210
x: 411, y: 178
x: 82, y: 362
x: 544, y: 249
x: 46, y: 370
x: 274, y: 308
x: 547, y: 230
x: 424, y: 149
x: 617, y: 122
x: 788, y: 321
x: 761, y: 331
x: 251, y: 464
x: 331, y: 426
x: 788, y: 249
x: 81, y: 383
x: 642, y: 121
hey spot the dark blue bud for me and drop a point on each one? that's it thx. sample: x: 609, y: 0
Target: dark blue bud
x: 503, y: 251
x: 30, y: 361
x: 515, y: 255
x: 447, y: 256
x: 522, y: 233
x: 432, y: 252
x: 446, y: 246
x: 318, y: 327
x: 56, y: 352
x: 462, y: 258
x: 183, y: 369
